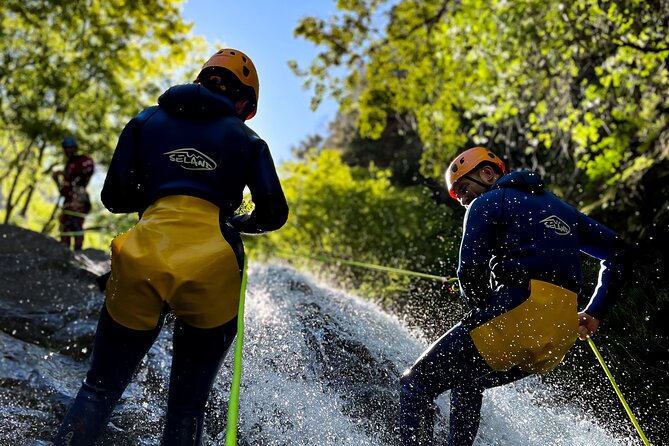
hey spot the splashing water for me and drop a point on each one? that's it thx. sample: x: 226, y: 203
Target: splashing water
x: 320, y: 368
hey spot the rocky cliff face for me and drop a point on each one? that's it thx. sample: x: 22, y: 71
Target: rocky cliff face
x: 49, y: 304
x: 49, y: 295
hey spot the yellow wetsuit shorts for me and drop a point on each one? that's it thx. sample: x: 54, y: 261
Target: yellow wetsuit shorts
x: 175, y: 255
x: 535, y: 335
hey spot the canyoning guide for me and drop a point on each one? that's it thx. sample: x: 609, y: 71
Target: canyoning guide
x: 76, y: 203
x: 183, y: 166
x: 520, y: 274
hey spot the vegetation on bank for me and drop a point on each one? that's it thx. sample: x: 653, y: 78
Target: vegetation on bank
x: 79, y: 69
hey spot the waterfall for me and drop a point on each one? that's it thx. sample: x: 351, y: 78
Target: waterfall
x: 320, y: 368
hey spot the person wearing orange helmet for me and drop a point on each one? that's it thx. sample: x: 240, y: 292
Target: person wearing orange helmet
x: 466, y: 171
x: 182, y: 166
x: 520, y: 274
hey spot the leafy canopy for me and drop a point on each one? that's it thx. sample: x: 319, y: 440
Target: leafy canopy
x: 79, y: 69
x: 551, y: 84
x: 356, y: 214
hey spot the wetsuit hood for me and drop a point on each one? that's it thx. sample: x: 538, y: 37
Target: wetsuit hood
x: 523, y: 180
x: 195, y: 101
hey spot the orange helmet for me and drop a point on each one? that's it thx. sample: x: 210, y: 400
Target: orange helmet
x: 466, y: 162
x: 241, y: 66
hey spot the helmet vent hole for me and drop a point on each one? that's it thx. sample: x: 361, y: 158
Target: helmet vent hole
x: 454, y: 168
x: 245, y: 71
x: 462, y: 160
x: 244, y: 59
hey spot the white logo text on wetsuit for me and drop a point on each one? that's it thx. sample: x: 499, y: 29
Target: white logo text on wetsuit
x: 191, y: 159
x: 556, y: 223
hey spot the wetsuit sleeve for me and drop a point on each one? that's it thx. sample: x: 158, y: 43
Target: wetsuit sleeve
x: 271, y: 209
x: 120, y: 192
x: 476, y: 248
x: 598, y: 241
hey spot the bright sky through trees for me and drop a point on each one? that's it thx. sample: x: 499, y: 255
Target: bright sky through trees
x: 264, y: 30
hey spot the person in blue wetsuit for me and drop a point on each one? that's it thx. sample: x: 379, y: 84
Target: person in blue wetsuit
x: 183, y: 166
x: 519, y: 273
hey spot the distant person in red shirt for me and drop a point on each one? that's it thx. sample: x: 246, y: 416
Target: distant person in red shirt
x: 72, y: 182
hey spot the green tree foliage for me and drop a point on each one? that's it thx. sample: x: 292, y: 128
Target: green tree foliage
x: 563, y: 87
x: 356, y: 213
x: 81, y: 69
x: 398, y: 148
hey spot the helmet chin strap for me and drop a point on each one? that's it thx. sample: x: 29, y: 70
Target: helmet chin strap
x: 480, y: 183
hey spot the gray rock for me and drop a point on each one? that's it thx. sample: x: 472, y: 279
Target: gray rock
x: 49, y: 295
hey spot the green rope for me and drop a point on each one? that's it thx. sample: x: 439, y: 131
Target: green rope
x: 328, y: 259
x: 71, y: 233
x: 233, y: 403
x: 83, y: 231
x: 74, y: 213
x: 620, y: 395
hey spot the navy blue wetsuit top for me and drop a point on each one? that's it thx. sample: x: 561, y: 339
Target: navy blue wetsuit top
x: 517, y: 231
x: 192, y: 143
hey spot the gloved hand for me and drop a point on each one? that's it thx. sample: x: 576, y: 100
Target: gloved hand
x: 587, y: 325
x: 450, y: 285
x: 102, y: 281
x: 237, y: 221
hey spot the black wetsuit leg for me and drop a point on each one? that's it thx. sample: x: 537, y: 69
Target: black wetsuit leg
x: 451, y: 361
x: 117, y: 351
x: 454, y: 363
x: 465, y: 414
x: 466, y: 399
x: 198, y: 354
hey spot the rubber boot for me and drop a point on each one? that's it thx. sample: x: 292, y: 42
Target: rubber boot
x: 465, y: 415
x: 86, y: 419
x: 416, y: 417
x: 184, y: 431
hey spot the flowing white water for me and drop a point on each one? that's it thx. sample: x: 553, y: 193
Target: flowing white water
x: 290, y: 398
x: 320, y: 369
